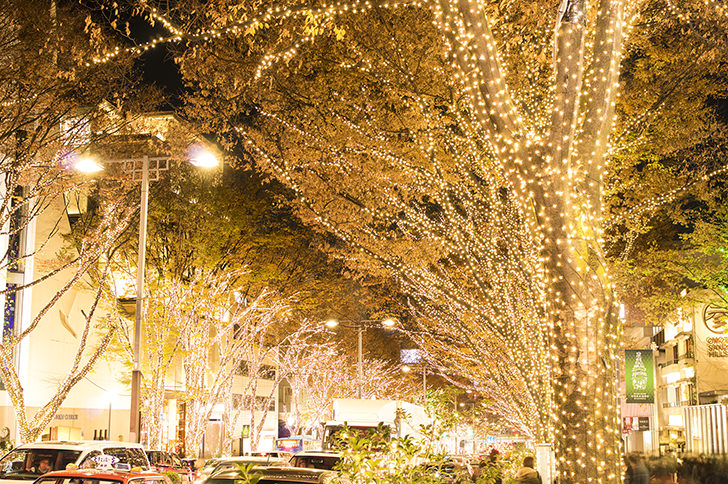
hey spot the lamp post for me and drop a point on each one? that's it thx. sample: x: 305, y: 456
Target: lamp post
x: 198, y: 156
x: 359, y: 326
x: 110, y: 397
x: 407, y: 369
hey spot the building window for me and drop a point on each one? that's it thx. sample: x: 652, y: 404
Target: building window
x: 689, y: 348
x: 15, y: 263
x: 675, y: 352
x: 265, y: 372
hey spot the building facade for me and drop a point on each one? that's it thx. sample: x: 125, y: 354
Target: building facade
x: 691, y: 355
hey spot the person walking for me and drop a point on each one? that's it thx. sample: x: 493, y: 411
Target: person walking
x: 528, y: 473
x: 636, y: 470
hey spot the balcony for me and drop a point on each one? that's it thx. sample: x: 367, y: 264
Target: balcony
x: 684, y: 403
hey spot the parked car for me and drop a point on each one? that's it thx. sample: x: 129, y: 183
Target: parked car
x: 323, y: 459
x: 101, y: 476
x: 26, y: 462
x: 269, y: 453
x: 278, y: 475
x: 163, y: 461
x: 215, y: 466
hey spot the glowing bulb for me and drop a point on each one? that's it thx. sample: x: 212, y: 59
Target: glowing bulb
x: 202, y: 157
x: 86, y: 164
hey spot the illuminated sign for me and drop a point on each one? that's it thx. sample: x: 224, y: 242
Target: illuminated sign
x: 639, y: 376
x: 630, y: 424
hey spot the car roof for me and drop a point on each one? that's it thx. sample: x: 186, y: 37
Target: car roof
x: 77, y: 445
x: 281, y: 473
x: 104, y: 474
x: 317, y: 453
x: 247, y: 458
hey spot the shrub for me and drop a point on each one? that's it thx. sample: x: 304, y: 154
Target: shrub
x: 173, y: 476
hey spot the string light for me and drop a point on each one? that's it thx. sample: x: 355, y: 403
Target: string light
x: 502, y: 259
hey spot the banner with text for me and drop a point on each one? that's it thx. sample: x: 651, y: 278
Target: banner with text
x: 640, y: 376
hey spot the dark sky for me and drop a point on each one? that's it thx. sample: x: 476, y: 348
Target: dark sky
x: 157, y: 66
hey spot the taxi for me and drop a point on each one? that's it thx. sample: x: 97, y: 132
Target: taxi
x: 102, y: 476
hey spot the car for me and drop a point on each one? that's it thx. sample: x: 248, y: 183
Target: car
x: 215, y: 466
x: 26, y: 462
x: 163, y: 461
x: 102, y: 476
x: 323, y: 459
x: 278, y: 475
x: 269, y: 453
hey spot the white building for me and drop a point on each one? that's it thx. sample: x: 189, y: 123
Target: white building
x: 692, y: 364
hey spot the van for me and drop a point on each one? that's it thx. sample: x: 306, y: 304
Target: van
x: 25, y: 463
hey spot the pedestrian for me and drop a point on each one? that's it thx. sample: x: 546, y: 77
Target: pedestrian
x: 489, y: 468
x: 636, y: 470
x: 528, y: 473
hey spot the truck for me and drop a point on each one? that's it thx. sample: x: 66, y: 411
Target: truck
x: 364, y: 416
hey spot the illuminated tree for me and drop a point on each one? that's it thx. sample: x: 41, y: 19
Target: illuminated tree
x: 667, y: 173
x: 462, y: 146
x: 52, y: 108
x: 312, y: 374
x: 211, y: 351
x: 317, y: 373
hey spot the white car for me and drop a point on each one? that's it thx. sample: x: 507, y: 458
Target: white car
x: 325, y: 459
x: 25, y: 463
x: 225, y: 464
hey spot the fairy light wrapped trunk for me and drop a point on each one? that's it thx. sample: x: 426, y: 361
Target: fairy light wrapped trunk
x: 562, y: 177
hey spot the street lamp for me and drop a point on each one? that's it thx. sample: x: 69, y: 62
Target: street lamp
x: 359, y: 325
x: 110, y: 396
x: 407, y: 369
x: 198, y: 155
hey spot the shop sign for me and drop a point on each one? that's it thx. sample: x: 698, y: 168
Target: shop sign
x: 634, y: 424
x: 639, y: 376
x: 66, y: 416
x: 715, y: 319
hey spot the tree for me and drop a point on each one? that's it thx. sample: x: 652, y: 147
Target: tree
x: 224, y: 228
x: 668, y: 171
x: 486, y: 197
x: 503, y: 261
x: 267, y: 356
x: 318, y: 373
x: 212, y: 352
x: 51, y: 109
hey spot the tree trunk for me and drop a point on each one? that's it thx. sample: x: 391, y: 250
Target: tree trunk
x: 586, y: 335
x: 153, y: 414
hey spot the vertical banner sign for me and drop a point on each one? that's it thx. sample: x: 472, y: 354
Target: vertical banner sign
x: 640, y: 376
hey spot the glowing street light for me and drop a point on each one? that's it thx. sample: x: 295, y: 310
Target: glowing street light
x: 198, y: 155
x: 201, y: 157
x: 359, y: 326
x: 86, y: 164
